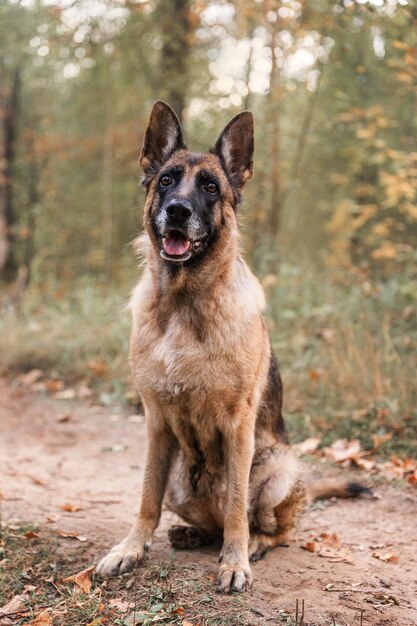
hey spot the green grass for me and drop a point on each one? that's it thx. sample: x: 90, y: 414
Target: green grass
x: 346, y: 343
x: 347, y: 348
x: 157, y: 593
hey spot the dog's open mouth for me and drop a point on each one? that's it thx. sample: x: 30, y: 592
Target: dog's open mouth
x: 176, y: 247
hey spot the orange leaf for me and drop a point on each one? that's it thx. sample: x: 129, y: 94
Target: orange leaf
x: 31, y: 535
x: 310, y: 546
x: 70, y: 508
x: 43, y: 619
x: 308, y: 446
x: 70, y: 535
x: 82, y: 579
x: 386, y: 555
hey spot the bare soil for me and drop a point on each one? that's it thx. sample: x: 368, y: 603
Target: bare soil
x: 54, y: 452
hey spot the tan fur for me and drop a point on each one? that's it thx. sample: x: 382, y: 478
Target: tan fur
x: 200, y: 356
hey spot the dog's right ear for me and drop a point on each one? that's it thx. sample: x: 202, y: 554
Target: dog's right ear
x: 162, y: 138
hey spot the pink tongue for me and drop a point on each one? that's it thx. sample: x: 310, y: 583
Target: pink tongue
x: 175, y: 247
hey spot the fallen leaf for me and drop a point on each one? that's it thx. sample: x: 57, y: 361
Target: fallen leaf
x: 179, y: 611
x: 70, y: 508
x: 365, y: 464
x: 43, y: 619
x: 14, y: 606
x: 331, y: 540
x: 119, y: 604
x: 96, y: 622
x: 185, y: 622
x: 387, y: 556
x: 53, y: 518
x: 310, y: 546
x: 30, y: 377
x: 30, y: 534
x: 336, y: 555
x: 82, y: 579
x: 412, y: 480
x: 98, y: 367
x: 53, y: 385
x: 343, y: 450
x: 70, y: 535
x: 308, y: 446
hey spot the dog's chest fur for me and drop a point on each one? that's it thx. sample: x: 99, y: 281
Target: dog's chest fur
x: 200, y: 362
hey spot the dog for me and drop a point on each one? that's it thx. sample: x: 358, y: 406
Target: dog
x: 217, y: 447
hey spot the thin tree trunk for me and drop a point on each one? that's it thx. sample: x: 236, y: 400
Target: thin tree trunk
x: 274, y: 111
x: 8, y: 263
x: 247, y: 100
x: 107, y: 178
x: 33, y: 201
x: 173, y: 17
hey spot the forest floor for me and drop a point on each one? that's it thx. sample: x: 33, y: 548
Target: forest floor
x: 71, y: 474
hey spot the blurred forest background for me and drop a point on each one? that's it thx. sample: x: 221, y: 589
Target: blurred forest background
x: 329, y: 218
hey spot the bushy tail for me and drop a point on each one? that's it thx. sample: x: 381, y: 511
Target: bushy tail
x: 335, y: 488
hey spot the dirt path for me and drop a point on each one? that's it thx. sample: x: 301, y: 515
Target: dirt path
x: 54, y: 452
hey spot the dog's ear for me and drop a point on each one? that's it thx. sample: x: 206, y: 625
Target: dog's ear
x: 235, y: 146
x: 162, y: 138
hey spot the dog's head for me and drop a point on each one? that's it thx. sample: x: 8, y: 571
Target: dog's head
x: 192, y: 198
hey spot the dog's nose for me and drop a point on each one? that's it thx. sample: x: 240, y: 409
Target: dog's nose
x: 179, y: 211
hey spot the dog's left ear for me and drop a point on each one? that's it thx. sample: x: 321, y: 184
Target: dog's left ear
x: 235, y: 147
x: 162, y: 138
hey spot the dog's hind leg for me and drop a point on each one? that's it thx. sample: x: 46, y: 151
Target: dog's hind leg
x: 277, y: 497
x: 274, y: 526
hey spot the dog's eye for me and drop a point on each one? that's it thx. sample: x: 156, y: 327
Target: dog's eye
x: 210, y: 187
x: 165, y: 180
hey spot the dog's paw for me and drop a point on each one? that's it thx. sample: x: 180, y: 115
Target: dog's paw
x: 121, y: 558
x: 234, y: 577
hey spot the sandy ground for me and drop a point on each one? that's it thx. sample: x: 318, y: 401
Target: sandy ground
x: 54, y: 452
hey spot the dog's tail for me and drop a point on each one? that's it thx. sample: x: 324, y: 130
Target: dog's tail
x: 324, y: 488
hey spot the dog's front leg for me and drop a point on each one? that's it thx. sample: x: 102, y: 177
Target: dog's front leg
x: 125, y: 555
x: 235, y: 573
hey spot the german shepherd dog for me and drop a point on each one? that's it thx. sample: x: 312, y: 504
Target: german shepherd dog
x: 217, y: 447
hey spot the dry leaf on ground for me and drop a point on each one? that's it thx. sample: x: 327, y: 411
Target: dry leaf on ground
x: 343, y: 450
x: 119, y: 604
x: 82, y: 580
x: 14, y: 606
x: 386, y: 555
x: 70, y: 508
x: 30, y: 534
x: 70, y: 535
x: 43, y: 619
x: 328, y: 546
x: 30, y: 377
x: 308, y: 446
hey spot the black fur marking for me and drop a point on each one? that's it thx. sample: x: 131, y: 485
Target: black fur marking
x: 270, y: 410
x: 356, y: 489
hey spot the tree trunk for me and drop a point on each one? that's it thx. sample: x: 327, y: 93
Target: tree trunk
x: 107, y: 177
x: 33, y: 202
x: 173, y: 17
x: 8, y: 263
x: 274, y: 98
